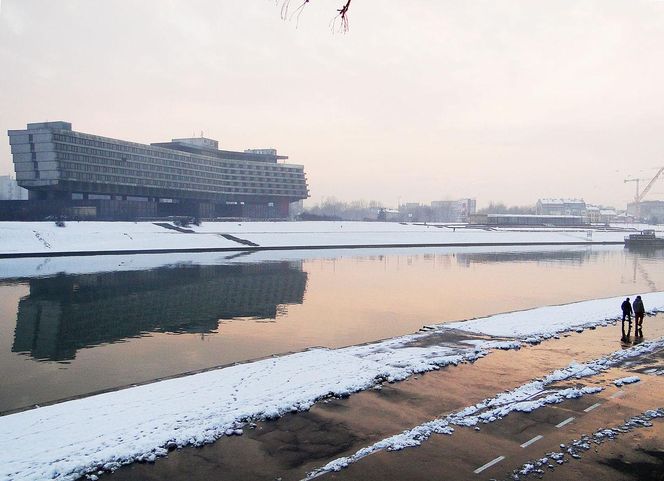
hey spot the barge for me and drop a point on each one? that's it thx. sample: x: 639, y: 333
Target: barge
x: 646, y: 238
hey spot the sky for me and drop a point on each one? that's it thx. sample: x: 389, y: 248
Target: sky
x: 420, y: 100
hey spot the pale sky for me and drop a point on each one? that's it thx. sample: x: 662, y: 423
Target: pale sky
x: 421, y: 100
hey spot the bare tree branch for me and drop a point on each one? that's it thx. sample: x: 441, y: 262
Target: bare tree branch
x: 341, y: 17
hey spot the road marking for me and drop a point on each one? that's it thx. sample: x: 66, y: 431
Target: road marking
x: 590, y: 408
x: 617, y: 394
x: 489, y: 464
x: 534, y: 440
x: 566, y: 421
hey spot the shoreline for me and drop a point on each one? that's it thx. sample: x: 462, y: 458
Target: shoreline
x: 11, y: 255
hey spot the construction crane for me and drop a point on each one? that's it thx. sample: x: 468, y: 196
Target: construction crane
x: 640, y: 195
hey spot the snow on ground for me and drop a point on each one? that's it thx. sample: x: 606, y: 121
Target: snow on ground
x: 46, y: 237
x: 626, y: 380
x: 525, y: 398
x: 67, y: 440
x: 550, y: 320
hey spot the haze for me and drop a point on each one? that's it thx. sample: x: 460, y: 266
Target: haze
x: 421, y: 100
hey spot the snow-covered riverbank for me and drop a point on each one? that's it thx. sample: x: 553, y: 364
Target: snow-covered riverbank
x: 67, y: 440
x: 45, y: 238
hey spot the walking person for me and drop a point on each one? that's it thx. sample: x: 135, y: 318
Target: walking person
x: 639, y: 314
x: 626, y: 307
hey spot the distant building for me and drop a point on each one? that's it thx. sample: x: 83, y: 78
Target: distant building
x: 624, y: 218
x: 529, y: 220
x: 414, y: 212
x: 606, y: 216
x: 575, y: 207
x: 593, y: 213
x: 437, y: 211
x: 600, y: 215
x: 452, y: 210
x: 9, y: 189
x: 387, y: 215
x: 650, y: 210
x: 111, y: 178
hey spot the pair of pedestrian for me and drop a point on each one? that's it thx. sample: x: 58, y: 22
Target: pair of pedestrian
x: 639, y: 312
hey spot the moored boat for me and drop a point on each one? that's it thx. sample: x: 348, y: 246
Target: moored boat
x: 646, y: 238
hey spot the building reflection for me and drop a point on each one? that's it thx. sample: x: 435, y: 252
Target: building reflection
x: 562, y: 257
x: 65, y: 313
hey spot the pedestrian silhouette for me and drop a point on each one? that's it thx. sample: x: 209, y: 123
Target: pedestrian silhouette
x: 626, y: 307
x: 639, y: 314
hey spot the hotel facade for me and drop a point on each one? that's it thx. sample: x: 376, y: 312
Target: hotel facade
x: 99, y: 177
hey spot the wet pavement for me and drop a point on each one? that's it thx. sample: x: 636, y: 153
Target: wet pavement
x: 294, y: 445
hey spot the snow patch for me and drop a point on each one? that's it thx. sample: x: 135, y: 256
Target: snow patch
x: 534, y: 325
x: 626, y: 380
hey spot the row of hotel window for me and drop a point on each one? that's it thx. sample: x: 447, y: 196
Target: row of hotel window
x: 129, y: 148
x: 105, y: 158
x: 137, y: 198
x: 139, y: 175
x: 241, y: 187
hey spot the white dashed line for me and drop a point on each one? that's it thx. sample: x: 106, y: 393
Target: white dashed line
x: 590, y: 408
x: 566, y: 421
x: 617, y: 394
x: 489, y: 464
x: 534, y: 440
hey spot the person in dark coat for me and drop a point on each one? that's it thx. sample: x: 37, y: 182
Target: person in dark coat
x: 626, y: 307
x: 639, y: 314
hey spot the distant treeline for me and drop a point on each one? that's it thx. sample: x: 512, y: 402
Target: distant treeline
x: 500, y: 208
x: 333, y: 209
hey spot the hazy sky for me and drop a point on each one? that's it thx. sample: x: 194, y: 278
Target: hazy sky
x: 421, y: 100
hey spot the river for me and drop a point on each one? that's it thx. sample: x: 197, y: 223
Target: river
x: 73, y: 326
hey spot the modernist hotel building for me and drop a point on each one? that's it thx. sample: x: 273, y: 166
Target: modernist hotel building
x: 88, y: 176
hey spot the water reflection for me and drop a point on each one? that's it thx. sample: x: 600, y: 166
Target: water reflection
x: 561, y: 257
x: 65, y: 313
x: 646, y: 251
x: 641, y: 260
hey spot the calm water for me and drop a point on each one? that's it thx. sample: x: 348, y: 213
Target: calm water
x: 114, y: 321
